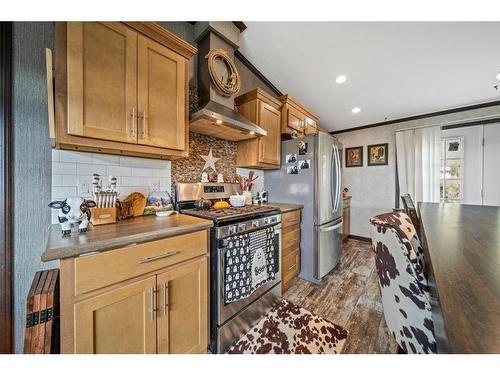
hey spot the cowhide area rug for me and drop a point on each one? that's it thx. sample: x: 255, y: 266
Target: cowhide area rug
x: 290, y: 329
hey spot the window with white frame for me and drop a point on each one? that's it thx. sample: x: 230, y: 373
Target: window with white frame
x: 452, y: 169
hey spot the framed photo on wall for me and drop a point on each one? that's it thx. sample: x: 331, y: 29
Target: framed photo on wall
x: 354, y: 156
x: 378, y: 154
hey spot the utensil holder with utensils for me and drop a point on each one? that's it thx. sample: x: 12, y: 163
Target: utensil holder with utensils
x: 105, y: 211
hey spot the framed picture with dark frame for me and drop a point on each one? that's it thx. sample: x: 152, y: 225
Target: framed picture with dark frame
x: 354, y: 156
x: 378, y: 154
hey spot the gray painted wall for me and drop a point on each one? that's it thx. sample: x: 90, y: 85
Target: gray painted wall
x: 32, y: 161
x: 373, y: 189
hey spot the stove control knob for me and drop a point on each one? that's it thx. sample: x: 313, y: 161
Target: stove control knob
x: 242, y: 227
x: 232, y: 229
x: 267, y: 220
x: 274, y: 219
x: 255, y: 223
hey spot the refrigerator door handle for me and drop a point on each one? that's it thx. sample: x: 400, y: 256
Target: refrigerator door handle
x: 332, y: 160
x: 333, y: 227
x: 338, y: 177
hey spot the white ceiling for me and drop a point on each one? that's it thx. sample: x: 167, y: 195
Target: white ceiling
x: 393, y: 70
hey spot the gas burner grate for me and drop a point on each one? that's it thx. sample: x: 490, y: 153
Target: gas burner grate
x: 226, y: 212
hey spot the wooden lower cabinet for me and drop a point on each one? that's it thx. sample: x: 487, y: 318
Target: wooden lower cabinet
x: 183, y: 309
x: 164, y: 310
x: 290, y: 243
x: 119, y: 321
x: 346, y: 220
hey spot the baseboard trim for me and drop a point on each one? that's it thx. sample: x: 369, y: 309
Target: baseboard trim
x: 359, y: 238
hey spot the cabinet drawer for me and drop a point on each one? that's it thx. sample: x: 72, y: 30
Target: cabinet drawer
x: 290, y: 218
x: 291, y: 237
x: 290, y: 265
x: 96, y: 271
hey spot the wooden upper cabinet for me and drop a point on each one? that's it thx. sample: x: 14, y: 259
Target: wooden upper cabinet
x: 102, y: 80
x: 297, y: 117
x: 183, y: 308
x: 121, y: 321
x: 121, y: 87
x: 264, y: 110
x: 161, y: 96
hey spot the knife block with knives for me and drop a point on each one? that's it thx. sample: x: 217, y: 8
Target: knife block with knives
x: 105, y: 210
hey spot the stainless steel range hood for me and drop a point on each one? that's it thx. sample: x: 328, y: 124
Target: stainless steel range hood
x: 216, y: 115
x: 222, y: 122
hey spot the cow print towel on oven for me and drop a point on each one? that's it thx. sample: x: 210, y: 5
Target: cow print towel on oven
x: 290, y: 329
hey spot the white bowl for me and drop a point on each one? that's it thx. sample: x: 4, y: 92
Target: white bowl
x: 165, y: 213
x: 237, y: 200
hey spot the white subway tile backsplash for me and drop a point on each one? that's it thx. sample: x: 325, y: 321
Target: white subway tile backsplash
x: 55, y: 154
x: 105, y: 159
x: 129, y: 161
x: 69, y: 180
x: 72, y: 171
x: 156, y: 163
x: 164, y: 172
x: 63, y: 168
x: 75, y: 157
x: 132, y: 181
x: 62, y: 192
x: 118, y: 171
x: 90, y: 169
x: 143, y: 172
x: 57, y: 180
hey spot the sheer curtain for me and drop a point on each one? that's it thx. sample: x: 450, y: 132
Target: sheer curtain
x: 418, y: 153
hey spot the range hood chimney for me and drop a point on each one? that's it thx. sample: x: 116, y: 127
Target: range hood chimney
x: 215, y: 115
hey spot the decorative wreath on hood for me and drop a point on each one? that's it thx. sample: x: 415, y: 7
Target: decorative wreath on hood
x: 230, y: 85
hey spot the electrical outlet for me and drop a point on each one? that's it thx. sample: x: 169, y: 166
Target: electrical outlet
x: 154, y: 185
x: 84, y: 188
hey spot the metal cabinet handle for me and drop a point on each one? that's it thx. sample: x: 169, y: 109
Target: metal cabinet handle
x: 144, y: 129
x: 133, y: 127
x: 161, y: 256
x: 152, y: 304
x: 292, y: 220
x: 165, y: 298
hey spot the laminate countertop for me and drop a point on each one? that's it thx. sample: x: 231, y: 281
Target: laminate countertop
x: 284, y: 207
x: 112, y: 236
x: 462, y: 248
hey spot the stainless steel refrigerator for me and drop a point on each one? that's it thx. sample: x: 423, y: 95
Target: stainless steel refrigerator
x: 312, y: 178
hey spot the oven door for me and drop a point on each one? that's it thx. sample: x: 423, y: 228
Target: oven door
x: 231, y: 309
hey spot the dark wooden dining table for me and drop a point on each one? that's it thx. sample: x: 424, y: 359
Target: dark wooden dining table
x: 462, y: 253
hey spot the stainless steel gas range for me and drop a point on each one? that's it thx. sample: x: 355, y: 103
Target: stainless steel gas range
x: 229, y: 321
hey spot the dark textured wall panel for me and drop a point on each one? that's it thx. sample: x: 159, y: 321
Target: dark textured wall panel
x: 32, y: 161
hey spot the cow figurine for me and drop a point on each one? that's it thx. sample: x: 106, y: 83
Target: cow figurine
x: 73, y: 210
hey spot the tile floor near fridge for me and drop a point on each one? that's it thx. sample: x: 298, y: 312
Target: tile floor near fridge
x: 349, y: 296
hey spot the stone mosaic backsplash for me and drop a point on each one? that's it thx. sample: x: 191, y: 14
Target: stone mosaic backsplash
x: 190, y: 169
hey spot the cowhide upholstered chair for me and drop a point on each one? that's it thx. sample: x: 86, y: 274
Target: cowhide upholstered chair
x: 411, y: 211
x: 403, y: 285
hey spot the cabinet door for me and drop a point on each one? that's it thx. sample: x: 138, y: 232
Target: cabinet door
x: 295, y: 119
x: 120, y: 321
x: 269, y: 119
x: 183, y: 309
x: 311, y: 126
x: 162, y: 96
x: 102, y: 80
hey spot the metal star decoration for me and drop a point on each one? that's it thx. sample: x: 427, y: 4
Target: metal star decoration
x: 209, y: 160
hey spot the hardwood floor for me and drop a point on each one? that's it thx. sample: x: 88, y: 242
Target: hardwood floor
x: 349, y: 296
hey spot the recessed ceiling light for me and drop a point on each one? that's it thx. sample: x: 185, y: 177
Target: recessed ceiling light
x: 218, y: 122
x: 356, y: 110
x: 498, y: 76
x: 341, y: 79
